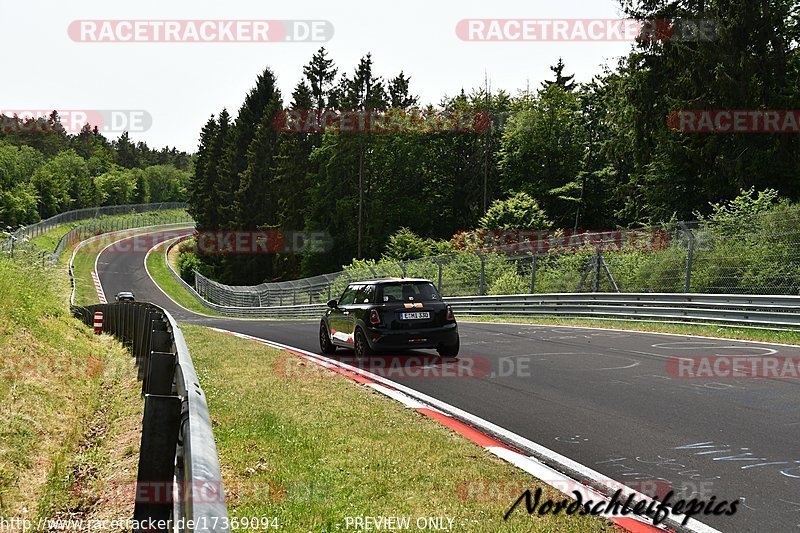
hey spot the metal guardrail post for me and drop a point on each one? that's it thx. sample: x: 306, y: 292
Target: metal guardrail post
x: 598, y: 258
x: 177, y: 439
x: 482, y: 281
x: 689, y: 257
x: 161, y: 373
x: 154, y: 481
x: 160, y: 341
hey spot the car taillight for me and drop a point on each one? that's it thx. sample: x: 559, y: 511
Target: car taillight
x: 450, y: 316
x: 374, y: 317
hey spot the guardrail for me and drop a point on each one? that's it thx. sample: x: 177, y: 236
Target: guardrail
x: 725, y: 309
x: 731, y: 309
x: 148, y: 214
x: 299, y: 311
x: 43, y: 226
x: 178, y: 454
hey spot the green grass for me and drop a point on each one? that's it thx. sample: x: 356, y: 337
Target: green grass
x: 157, y: 267
x: 750, y: 334
x: 68, y: 399
x: 49, y: 240
x: 82, y: 266
x: 310, y: 448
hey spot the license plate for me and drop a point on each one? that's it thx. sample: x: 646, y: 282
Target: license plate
x: 415, y: 316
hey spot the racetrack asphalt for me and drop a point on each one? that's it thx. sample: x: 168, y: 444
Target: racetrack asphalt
x: 603, y: 398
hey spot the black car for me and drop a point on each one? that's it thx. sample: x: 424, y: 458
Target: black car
x: 389, y: 315
x: 125, y: 296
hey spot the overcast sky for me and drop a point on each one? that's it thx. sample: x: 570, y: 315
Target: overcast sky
x: 181, y: 84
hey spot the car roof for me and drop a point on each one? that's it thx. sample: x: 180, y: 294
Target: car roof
x: 125, y: 292
x: 385, y: 281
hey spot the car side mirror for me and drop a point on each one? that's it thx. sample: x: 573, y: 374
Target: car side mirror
x: 333, y: 304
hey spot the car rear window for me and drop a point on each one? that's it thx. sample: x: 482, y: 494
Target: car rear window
x: 365, y: 294
x: 348, y: 296
x: 417, y: 291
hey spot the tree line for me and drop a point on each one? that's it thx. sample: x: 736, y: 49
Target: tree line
x: 44, y: 170
x: 592, y: 155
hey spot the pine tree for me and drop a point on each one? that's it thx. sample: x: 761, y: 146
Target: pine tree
x: 200, y: 197
x: 214, y: 173
x: 126, y: 155
x: 320, y: 73
x: 293, y: 174
x: 565, y: 82
x: 399, y: 94
x: 243, y: 132
x: 255, y: 203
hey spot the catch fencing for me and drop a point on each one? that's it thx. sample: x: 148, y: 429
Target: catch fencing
x: 102, y: 220
x: 178, y: 454
x: 32, y: 231
x: 758, y: 254
x: 768, y: 312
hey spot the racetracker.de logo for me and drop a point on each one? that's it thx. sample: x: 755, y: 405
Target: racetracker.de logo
x: 379, y: 121
x: 74, y: 120
x: 200, y: 31
x: 591, y: 30
x: 543, y: 241
x: 395, y: 366
x: 734, y: 367
x: 222, y: 242
x: 32, y: 368
x: 168, y: 491
x: 734, y: 121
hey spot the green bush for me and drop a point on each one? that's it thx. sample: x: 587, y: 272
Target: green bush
x: 510, y: 283
x: 187, y: 264
x: 561, y: 272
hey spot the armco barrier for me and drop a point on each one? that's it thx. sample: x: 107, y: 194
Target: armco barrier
x: 147, y: 215
x: 733, y: 309
x: 297, y: 311
x: 781, y: 312
x: 727, y: 309
x: 177, y: 440
x: 43, y: 226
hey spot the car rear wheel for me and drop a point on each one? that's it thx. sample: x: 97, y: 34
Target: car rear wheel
x: 325, y: 344
x: 362, y: 347
x: 449, y: 350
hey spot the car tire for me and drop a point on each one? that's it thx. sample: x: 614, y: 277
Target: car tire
x: 326, y: 346
x: 449, y: 351
x: 362, y: 347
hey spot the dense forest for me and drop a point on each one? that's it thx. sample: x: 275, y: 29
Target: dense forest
x: 593, y: 155
x: 44, y: 170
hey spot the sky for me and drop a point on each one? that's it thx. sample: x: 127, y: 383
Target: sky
x: 178, y: 85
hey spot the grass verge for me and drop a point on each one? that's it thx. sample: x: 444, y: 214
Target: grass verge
x: 310, y: 448
x: 157, y: 268
x: 748, y: 334
x: 49, y: 240
x: 69, y: 402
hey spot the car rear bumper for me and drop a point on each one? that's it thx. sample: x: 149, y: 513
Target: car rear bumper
x: 411, y: 339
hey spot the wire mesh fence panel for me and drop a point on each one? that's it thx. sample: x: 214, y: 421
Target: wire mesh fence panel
x: 148, y: 214
x: 758, y: 254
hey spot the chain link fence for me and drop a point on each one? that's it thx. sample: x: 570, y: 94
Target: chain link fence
x: 26, y: 233
x: 758, y: 254
x: 102, y: 220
